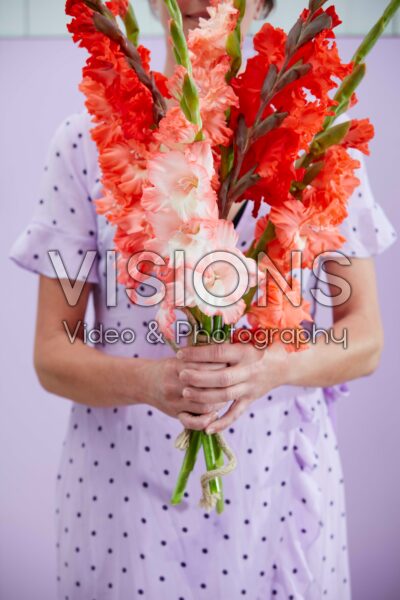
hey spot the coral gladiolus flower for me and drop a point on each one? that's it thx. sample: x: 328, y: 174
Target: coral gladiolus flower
x: 359, y: 135
x: 175, y: 130
x: 298, y: 228
x: 335, y: 183
x: 207, y: 43
x: 279, y: 312
x: 207, y: 48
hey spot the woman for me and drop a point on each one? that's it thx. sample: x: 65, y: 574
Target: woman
x: 283, y: 531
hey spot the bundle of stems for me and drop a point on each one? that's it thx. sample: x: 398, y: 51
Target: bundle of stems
x: 212, y: 328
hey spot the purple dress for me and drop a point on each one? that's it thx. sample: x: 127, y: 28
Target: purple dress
x: 283, y: 531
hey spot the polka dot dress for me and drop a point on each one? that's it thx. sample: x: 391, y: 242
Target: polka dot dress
x: 283, y: 532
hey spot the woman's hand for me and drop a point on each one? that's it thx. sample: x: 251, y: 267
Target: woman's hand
x: 92, y: 378
x: 247, y: 373
x: 252, y: 373
x: 163, y: 388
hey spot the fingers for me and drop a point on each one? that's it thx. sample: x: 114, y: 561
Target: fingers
x: 204, y: 366
x: 198, y: 423
x: 211, y: 353
x: 202, y: 408
x: 215, y: 378
x: 232, y: 414
x: 215, y: 396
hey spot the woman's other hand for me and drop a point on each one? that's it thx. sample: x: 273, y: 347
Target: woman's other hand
x: 246, y: 373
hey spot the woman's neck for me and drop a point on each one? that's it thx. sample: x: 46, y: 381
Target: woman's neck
x: 169, y: 64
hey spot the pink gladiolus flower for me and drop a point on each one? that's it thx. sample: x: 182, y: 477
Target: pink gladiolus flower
x: 181, y: 182
x: 171, y: 234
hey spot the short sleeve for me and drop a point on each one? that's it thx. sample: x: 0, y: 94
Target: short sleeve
x: 367, y: 229
x: 64, y: 219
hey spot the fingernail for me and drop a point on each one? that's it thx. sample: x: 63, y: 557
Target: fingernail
x: 186, y: 392
x: 210, y: 430
x: 179, y: 354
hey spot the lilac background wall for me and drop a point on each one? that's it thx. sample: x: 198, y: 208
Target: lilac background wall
x: 38, y: 79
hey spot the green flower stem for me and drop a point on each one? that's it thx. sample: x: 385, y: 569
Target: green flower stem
x: 375, y: 33
x: 330, y: 137
x: 227, y: 331
x: 234, y: 41
x: 131, y: 26
x: 213, y: 454
x: 187, y: 466
x: 218, y: 330
x: 207, y: 324
x: 190, y: 102
x: 219, y: 461
x: 350, y: 83
x: 211, y: 462
x: 344, y: 94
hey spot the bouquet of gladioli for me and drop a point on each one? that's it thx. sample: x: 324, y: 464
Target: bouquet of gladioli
x: 176, y: 153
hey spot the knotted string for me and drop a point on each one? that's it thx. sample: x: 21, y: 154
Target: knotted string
x: 208, y: 499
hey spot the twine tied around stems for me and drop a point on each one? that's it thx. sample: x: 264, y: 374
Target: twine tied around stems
x: 182, y: 441
x: 208, y: 499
